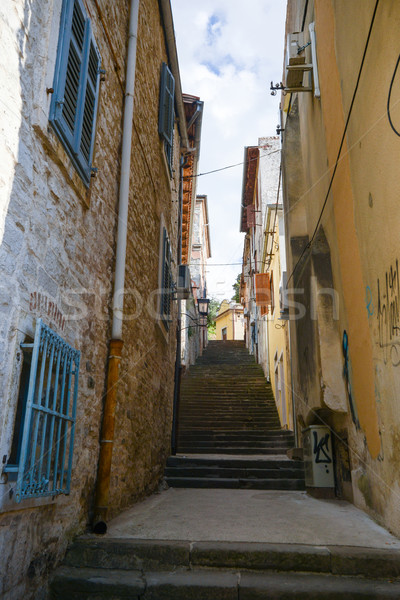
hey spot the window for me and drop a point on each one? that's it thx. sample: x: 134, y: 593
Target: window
x: 42, y: 447
x: 76, y: 87
x: 166, y: 117
x: 166, y: 281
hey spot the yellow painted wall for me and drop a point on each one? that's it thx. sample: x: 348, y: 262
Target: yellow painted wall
x: 278, y: 342
x: 361, y: 222
x: 225, y: 318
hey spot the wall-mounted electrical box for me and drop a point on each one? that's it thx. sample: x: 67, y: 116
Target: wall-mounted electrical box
x: 318, y: 457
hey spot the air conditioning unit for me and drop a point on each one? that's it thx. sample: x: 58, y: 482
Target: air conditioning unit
x: 183, y: 284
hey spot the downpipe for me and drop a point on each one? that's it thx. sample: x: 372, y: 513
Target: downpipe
x: 178, y: 368
x: 116, y: 344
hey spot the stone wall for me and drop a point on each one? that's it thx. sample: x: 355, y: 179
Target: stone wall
x: 144, y: 414
x: 56, y: 257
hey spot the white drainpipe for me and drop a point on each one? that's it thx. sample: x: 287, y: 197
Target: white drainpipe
x: 115, y: 351
x: 119, y: 282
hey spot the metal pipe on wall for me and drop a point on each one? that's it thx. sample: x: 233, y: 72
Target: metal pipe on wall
x: 115, y: 352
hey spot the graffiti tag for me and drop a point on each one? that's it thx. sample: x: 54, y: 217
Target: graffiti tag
x: 388, y: 315
x: 368, y: 301
x: 321, y: 449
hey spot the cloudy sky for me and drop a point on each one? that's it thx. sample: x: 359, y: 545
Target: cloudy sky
x: 229, y: 51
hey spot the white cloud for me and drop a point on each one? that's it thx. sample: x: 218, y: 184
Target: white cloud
x: 229, y: 51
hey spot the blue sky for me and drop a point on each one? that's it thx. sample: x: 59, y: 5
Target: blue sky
x: 229, y: 51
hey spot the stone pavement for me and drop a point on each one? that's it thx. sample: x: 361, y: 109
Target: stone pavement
x: 250, y: 516
x: 221, y: 544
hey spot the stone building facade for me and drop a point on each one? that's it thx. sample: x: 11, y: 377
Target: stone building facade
x: 195, y: 339
x: 264, y: 270
x: 58, y: 223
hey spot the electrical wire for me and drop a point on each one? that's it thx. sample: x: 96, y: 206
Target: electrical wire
x: 389, y: 96
x: 215, y: 265
x: 310, y: 243
x: 273, y: 228
x: 230, y: 166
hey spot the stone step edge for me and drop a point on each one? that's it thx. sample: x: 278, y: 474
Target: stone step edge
x: 183, y: 583
x: 232, y: 461
x: 253, y: 556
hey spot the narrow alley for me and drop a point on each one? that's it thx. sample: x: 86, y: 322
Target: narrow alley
x: 199, y: 300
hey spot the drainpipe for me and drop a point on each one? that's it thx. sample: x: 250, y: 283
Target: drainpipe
x: 115, y: 352
x: 297, y: 441
x: 178, y: 369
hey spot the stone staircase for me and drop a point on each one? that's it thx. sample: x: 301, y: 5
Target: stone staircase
x: 118, y: 569
x: 229, y: 435
x: 122, y: 568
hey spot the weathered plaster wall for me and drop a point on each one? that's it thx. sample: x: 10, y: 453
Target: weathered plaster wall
x: 278, y: 342
x: 374, y: 152
x: 359, y: 236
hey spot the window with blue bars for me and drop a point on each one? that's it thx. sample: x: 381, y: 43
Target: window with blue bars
x: 166, y: 281
x: 166, y: 118
x: 42, y: 448
x: 76, y: 87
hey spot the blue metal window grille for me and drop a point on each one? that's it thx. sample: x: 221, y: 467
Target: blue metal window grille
x: 166, y: 282
x: 166, y: 118
x: 46, y: 442
x: 76, y: 87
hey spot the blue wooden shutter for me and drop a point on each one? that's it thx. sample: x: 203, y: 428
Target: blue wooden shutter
x: 166, y: 282
x: 76, y: 86
x: 166, y: 110
x: 45, y: 461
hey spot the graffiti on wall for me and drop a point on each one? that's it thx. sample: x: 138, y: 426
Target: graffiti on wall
x: 368, y: 301
x: 388, y: 315
x: 321, y: 448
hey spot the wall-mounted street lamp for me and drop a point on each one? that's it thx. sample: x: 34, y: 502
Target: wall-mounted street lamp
x: 202, y: 305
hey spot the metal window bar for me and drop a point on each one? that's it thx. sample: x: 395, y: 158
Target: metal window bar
x: 48, y: 431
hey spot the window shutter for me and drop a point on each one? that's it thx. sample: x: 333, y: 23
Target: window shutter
x: 166, y: 282
x: 263, y: 290
x: 45, y: 461
x: 76, y: 86
x: 166, y: 111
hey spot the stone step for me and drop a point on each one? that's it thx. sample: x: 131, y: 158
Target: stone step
x: 264, y: 424
x: 228, y: 450
x: 235, y: 462
x: 229, y: 409
x: 235, y: 483
x: 272, y: 443
x: 236, y: 429
x: 262, y: 437
x: 168, y: 570
x: 133, y: 554
x: 235, y: 473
